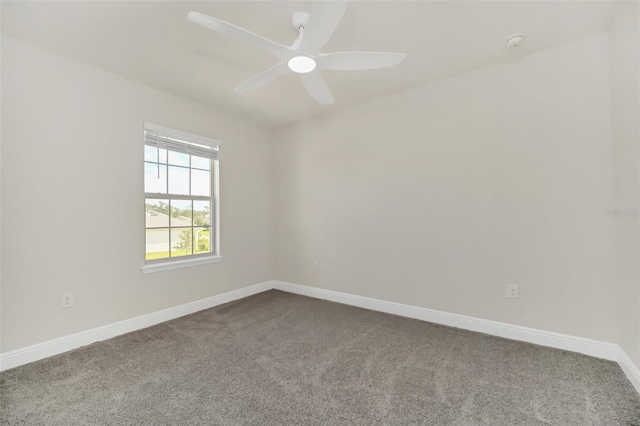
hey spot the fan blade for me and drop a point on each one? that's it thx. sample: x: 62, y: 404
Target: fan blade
x: 262, y: 78
x: 317, y: 88
x: 323, y: 20
x: 359, y: 60
x: 240, y: 34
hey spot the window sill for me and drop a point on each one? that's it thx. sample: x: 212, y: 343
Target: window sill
x: 177, y: 264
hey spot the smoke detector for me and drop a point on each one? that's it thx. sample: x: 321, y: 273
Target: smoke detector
x: 515, y: 41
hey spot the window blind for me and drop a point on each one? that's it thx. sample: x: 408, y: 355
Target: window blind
x: 183, y: 142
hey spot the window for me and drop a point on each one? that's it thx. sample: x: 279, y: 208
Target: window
x: 181, y: 199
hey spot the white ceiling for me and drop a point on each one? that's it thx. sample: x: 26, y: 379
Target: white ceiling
x: 153, y: 42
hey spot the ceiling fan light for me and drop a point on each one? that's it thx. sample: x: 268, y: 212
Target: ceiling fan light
x: 301, y: 64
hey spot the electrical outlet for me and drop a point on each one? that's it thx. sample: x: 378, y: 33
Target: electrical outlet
x: 316, y: 266
x: 67, y: 300
x: 512, y: 291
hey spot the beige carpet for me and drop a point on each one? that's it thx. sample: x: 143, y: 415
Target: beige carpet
x: 282, y: 359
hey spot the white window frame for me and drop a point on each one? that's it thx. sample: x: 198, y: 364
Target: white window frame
x: 158, y: 265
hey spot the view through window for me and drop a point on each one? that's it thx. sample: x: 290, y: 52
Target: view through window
x: 180, y: 172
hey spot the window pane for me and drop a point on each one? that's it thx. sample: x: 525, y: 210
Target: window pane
x: 157, y: 214
x: 181, y: 213
x: 179, y: 207
x: 201, y: 240
x: 178, y: 180
x: 151, y: 154
x: 200, y: 162
x: 178, y: 159
x: 201, y: 213
x: 200, y: 182
x: 157, y: 243
x: 154, y: 182
x: 181, y: 241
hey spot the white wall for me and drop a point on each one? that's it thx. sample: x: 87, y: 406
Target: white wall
x: 1, y: 42
x: 73, y: 205
x: 625, y: 73
x: 441, y: 196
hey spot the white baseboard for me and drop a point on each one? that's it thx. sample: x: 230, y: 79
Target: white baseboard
x: 590, y: 347
x: 629, y: 368
x: 595, y: 348
x: 63, y: 344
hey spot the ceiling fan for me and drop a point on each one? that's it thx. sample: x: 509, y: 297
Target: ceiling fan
x: 303, y: 56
